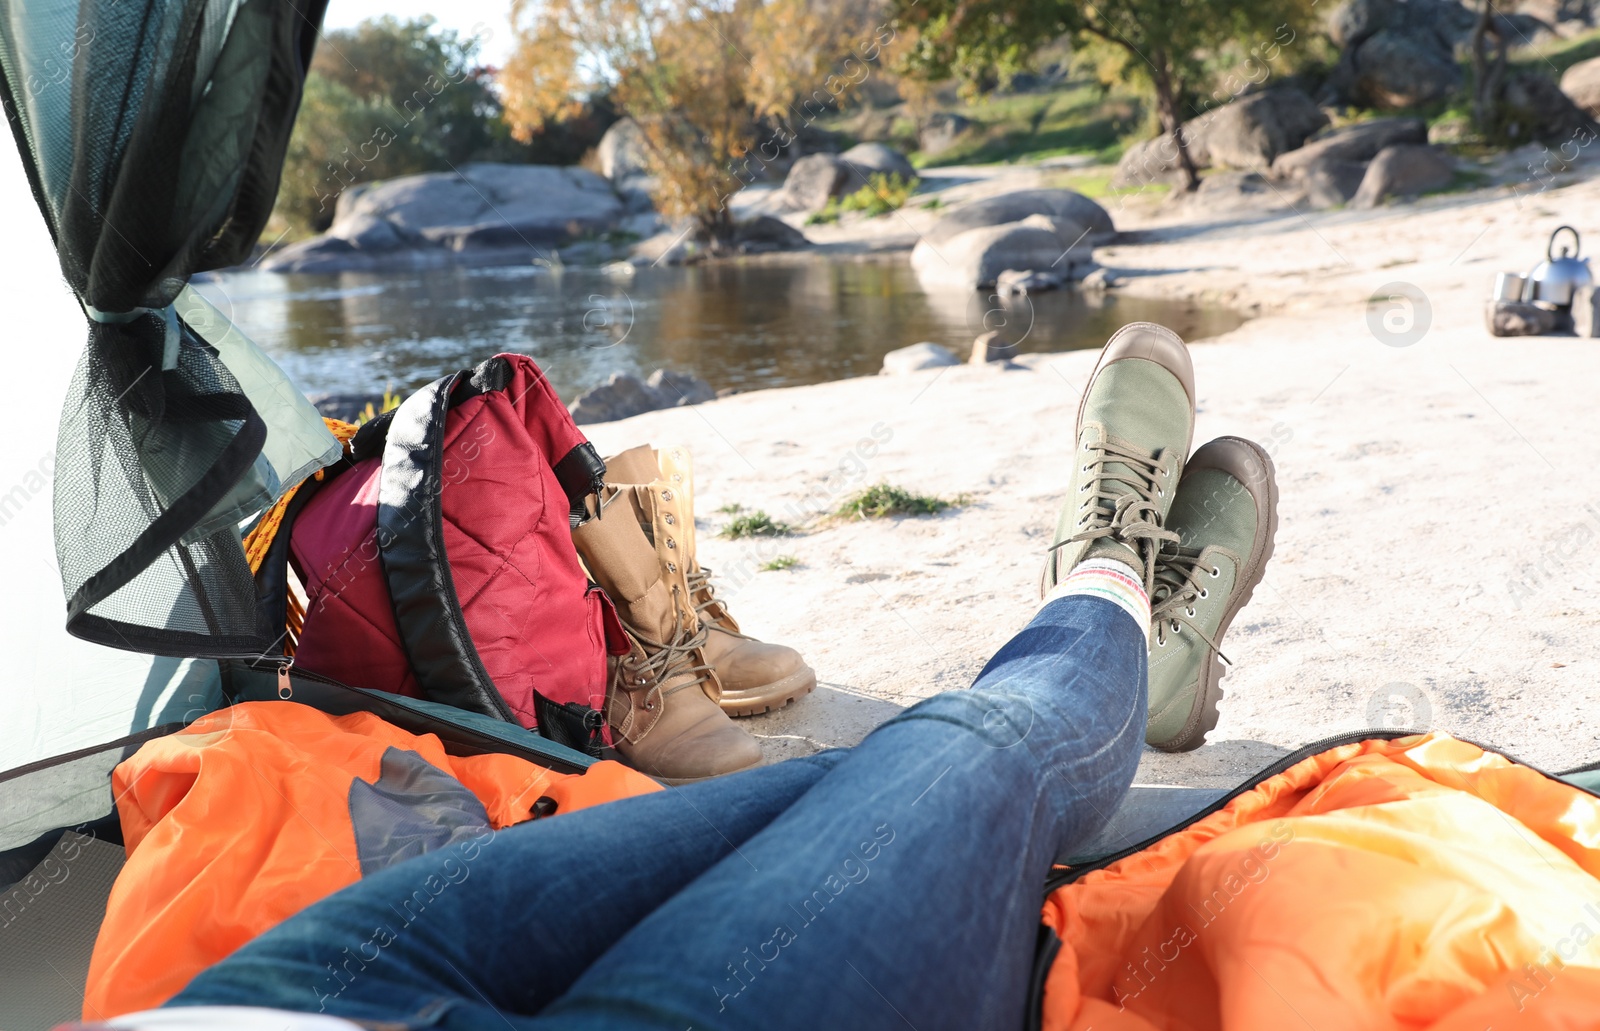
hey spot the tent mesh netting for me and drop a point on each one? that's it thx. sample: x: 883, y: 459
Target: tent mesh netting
x: 153, y: 134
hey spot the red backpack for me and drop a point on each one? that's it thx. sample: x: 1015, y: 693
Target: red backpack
x: 438, y: 562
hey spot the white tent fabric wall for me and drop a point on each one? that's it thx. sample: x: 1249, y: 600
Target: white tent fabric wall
x: 58, y: 694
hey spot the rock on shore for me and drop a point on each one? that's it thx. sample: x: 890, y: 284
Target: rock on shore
x: 485, y: 214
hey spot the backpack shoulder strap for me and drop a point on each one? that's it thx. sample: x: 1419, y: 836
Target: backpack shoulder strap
x: 433, y: 629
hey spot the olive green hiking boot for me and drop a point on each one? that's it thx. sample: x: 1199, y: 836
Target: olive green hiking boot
x: 1225, y: 516
x: 1134, y: 427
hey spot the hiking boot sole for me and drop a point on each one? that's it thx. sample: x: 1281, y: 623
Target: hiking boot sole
x: 756, y: 700
x: 1247, y: 462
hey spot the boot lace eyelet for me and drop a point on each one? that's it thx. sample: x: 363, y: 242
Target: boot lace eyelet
x: 1189, y: 612
x: 1161, y: 642
x: 1175, y: 626
x: 1204, y: 593
x: 1215, y: 572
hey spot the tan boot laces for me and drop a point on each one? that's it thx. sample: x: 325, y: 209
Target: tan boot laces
x: 1180, y: 581
x: 700, y: 586
x: 1124, y: 503
x: 662, y: 661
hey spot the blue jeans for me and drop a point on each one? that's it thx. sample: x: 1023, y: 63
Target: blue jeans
x: 895, y: 883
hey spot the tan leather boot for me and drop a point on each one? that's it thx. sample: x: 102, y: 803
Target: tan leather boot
x: 755, y: 676
x: 661, y: 697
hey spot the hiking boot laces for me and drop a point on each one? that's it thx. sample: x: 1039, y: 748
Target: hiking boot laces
x: 700, y: 585
x: 662, y: 661
x: 1180, y: 582
x: 1124, y: 503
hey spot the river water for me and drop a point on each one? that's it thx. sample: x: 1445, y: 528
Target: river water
x: 739, y: 325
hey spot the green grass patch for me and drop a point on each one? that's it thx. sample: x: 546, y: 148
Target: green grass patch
x: 1556, y: 56
x: 1081, y: 117
x: 883, y: 500
x: 732, y: 508
x: 779, y: 564
x: 882, y: 194
x: 756, y: 524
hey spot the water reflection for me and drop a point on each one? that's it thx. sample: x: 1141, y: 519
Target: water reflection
x: 739, y: 326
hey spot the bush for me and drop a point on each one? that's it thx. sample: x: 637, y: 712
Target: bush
x: 779, y: 564
x: 882, y: 500
x: 756, y: 524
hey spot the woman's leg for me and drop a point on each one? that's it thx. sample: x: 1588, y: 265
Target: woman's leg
x: 505, y: 924
x: 904, y: 888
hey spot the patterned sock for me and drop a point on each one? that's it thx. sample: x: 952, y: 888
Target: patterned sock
x: 1116, y: 582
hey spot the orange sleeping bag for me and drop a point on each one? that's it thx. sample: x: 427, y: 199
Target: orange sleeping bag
x: 1413, y: 883
x: 256, y: 811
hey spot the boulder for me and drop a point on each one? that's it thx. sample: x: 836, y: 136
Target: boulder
x: 814, y: 180
x: 1156, y: 160
x: 1330, y: 182
x: 1398, y: 53
x: 1519, y: 319
x: 622, y: 152
x: 624, y: 396
x: 637, y: 193
x: 1229, y: 193
x: 1100, y: 279
x: 1581, y: 83
x: 976, y: 257
x: 1252, y: 130
x: 491, y: 205
x: 992, y: 347
x: 869, y: 159
x: 1359, y: 142
x: 367, y: 233
x: 680, y: 388
x: 1395, y: 69
x: 1247, y: 132
x: 917, y: 357
x: 674, y: 245
x: 1015, y: 283
x: 1533, y: 107
x: 1065, y: 206
x: 764, y: 233
x: 1404, y: 170
x: 940, y: 131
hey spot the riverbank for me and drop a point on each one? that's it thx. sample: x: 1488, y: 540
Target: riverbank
x: 1435, y: 564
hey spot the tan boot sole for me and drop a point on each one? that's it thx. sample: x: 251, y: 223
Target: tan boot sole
x: 756, y: 700
x: 1242, y: 459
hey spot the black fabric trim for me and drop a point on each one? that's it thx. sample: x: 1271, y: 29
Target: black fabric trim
x: 169, y: 527
x: 272, y: 575
x: 581, y: 473
x: 491, y: 374
x: 411, y: 549
x: 1044, y: 957
x: 140, y: 738
x: 370, y: 437
x: 1066, y: 875
x: 328, y: 695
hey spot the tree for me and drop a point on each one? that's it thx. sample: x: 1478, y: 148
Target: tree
x: 384, y: 99
x: 1163, y: 43
x: 711, y: 83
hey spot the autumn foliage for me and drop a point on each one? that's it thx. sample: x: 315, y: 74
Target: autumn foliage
x: 713, y: 85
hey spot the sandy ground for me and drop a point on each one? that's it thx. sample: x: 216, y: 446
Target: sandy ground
x: 1438, y: 561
